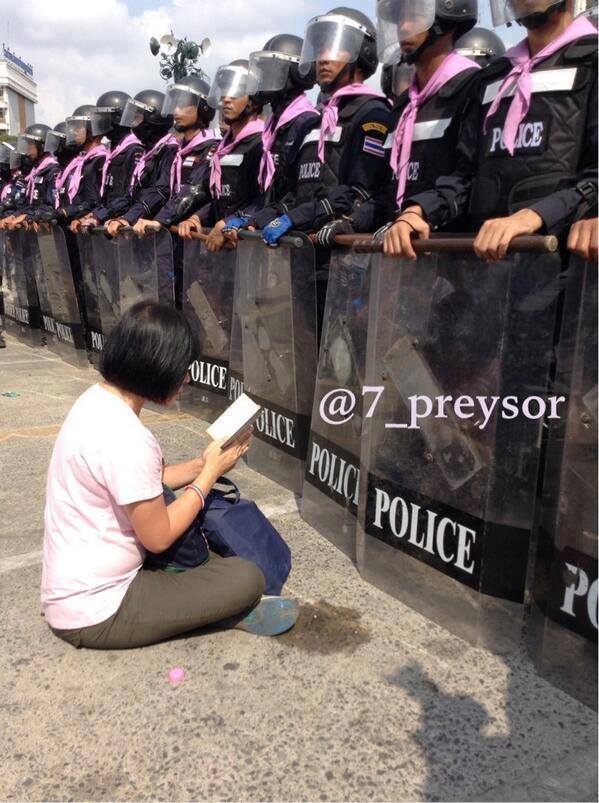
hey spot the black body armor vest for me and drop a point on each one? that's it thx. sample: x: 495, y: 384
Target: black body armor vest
x: 550, y: 139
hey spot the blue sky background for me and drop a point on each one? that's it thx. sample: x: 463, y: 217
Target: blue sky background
x: 80, y: 49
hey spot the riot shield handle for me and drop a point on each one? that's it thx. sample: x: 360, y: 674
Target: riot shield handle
x: 122, y: 230
x: 290, y: 242
x: 194, y: 234
x: 533, y: 244
x: 94, y: 229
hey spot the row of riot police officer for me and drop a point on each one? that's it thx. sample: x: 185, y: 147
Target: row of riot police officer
x: 502, y: 149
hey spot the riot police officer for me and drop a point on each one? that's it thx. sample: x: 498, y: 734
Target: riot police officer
x: 41, y: 178
x: 342, y: 160
x: 78, y: 186
x: 13, y: 193
x: 480, y: 45
x: 150, y: 183
x: 274, y: 77
x: 125, y: 152
x: 56, y: 145
x: 427, y: 116
x: 187, y: 103
x: 527, y: 160
x: 232, y: 185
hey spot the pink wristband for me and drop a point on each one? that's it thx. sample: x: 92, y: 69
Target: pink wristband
x: 198, y: 490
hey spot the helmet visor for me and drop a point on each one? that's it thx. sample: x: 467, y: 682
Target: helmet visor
x: 101, y: 122
x: 15, y: 160
x: 331, y: 38
x: 505, y: 11
x: 269, y: 71
x: 229, y: 82
x: 586, y: 8
x: 180, y: 98
x: 133, y: 113
x: 27, y: 145
x: 76, y: 131
x: 398, y: 21
x: 54, y: 139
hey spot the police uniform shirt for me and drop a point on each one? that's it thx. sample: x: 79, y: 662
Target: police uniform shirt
x: 195, y: 172
x: 88, y: 193
x: 354, y: 166
x: 44, y: 191
x: 15, y: 197
x: 555, y: 158
x: 152, y: 190
x: 239, y: 182
x: 285, y: 152
x: 116, y: 199
x: 433, y: 152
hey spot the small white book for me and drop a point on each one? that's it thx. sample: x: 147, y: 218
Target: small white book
x: 236, y: 419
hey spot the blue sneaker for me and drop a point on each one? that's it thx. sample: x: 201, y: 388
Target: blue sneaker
x: 271, y: 617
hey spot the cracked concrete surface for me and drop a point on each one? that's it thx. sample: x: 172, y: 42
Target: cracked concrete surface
x: 364, y: 700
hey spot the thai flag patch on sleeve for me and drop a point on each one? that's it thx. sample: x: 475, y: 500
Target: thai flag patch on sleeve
x: 373, y: 146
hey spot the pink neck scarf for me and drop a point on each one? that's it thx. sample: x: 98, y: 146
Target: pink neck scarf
x: 47, y: 160
x: 225, y: 147
x: 299, y: 105
x: 184, y: 149
x: 169, y: 139
x: 520, y: 77
x: 76, y: 168
x: 330, y: 113
x: 5, y: 190
x: 125, y: 143
x: 404, y: 133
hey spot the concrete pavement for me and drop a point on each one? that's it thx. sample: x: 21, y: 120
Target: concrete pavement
x: 364, y: 700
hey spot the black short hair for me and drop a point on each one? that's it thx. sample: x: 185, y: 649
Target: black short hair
x: 149, y: 351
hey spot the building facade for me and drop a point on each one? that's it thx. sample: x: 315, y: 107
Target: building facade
x: 18, y: 93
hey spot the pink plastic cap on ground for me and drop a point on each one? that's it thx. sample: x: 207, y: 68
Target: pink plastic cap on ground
x: 176, y: 675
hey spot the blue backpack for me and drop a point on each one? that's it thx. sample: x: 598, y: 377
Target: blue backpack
x: 230, y: 526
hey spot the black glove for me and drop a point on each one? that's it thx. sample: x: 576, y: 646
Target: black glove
x: 47, y: 217
x: 326, y: 236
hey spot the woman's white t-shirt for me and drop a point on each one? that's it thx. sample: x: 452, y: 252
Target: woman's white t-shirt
x: 103, y: 458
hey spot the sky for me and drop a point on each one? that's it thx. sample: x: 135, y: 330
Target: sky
x: 81, y: 49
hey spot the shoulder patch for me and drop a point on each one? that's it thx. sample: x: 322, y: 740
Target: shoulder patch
x: 373, y: 146
x: 380, y: 127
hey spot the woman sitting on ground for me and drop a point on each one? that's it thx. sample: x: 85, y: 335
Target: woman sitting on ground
x: 105, y: 507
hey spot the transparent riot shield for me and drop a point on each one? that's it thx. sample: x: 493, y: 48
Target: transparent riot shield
x: 2, y: 280
x: 47, y: 319
x: 165, y: 267
x: 138, y: 270
x: 451, y: 450
x: 562, y: 629
x: 91, y: 295
x: 331, y: 487
x: 278, y: 324
x: 235, y: 379
x: 208, y: 283
x: 105, y: 261
x: 69, y: 331
x: 21, y: 305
